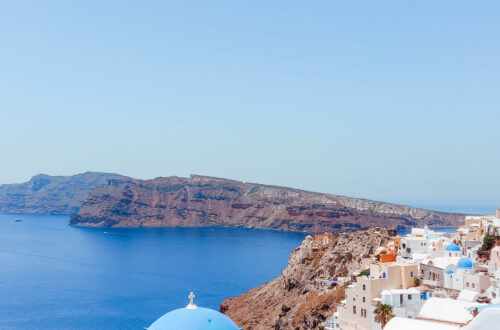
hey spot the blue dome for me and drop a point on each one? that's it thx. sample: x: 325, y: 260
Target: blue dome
x: 465, y: 263
x: 193, y: 319
x: 449, y: 271
x: 452, y: 247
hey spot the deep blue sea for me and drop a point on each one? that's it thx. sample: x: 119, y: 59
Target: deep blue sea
x: 53, y: 276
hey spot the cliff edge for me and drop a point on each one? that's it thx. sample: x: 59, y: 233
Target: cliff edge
x: 208, y: 201
x: 300, y: 297
x: 46, y: 194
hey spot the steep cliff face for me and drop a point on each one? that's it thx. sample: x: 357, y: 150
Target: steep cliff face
x: 300, y: 298
x: 207, y: 201
x: 45, y: 194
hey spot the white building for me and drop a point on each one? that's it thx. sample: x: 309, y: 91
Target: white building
x: 362, y: 297
x: 400, y: 323
x: 433, y: 270
x: 437, y: 247
x: 464, y: 277
x: 493, y: 292
x: 405, y: 302
x: 447, y: 311
x: 415, y: 246
x: 487, y: 319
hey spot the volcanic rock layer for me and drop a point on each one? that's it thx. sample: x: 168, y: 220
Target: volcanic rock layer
x: 208, y: 201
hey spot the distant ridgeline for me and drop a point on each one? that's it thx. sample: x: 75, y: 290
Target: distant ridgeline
x: 111, y: 200
x: 45, y: 194
x: 209, y: 201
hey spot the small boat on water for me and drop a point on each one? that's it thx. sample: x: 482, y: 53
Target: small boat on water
x: 18, y: 220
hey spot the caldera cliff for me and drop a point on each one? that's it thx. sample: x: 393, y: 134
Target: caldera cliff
x: 208, y: 201
x: 47, y: 194
x: 300, y: 297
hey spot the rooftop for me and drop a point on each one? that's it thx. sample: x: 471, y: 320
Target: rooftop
x: 441, y: 262
x: 484, y: 320
x: 398, y: 323
x: 194, y: 318
x: 452, y: 247
x: 447, y: 310
x: 400, y: 291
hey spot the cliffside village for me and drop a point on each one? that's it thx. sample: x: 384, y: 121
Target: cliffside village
x: 427, y: 280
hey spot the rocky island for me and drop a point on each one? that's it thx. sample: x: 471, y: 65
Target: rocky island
x: 208, y: 201
x: 46, y: 194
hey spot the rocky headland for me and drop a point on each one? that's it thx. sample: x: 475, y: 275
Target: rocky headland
x: 300, y: 297
x: 208, y: 201
x: 46, y: 194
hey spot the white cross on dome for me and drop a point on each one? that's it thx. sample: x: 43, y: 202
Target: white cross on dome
x: 191, y: 304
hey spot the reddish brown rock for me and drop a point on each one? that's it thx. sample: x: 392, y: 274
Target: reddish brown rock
x: 208, y: 201
x: 300, y: 297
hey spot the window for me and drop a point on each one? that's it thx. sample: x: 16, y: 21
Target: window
x: 354, y: 309
x: 473, y: 285
x: 364, y: 299
x: 353, y: 299
x: 411, y: 274
x: 409, y: 297
x: 364, y: 287
x: 467, y: 284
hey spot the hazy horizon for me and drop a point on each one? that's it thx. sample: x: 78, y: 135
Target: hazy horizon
x: 387, y: 101
x: 468, y: 206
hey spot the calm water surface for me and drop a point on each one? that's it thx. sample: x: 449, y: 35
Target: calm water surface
x: 53, y: 276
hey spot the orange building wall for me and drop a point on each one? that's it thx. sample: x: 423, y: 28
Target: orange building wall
x: 389, y: 257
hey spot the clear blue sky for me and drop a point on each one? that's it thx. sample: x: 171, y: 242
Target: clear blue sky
x: 389, y: 100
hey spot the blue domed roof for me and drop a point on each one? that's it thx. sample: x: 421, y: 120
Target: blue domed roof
x: 452, y: 247
x: 194, y: 319
x: 449, y: 271
x: 465, y: 263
